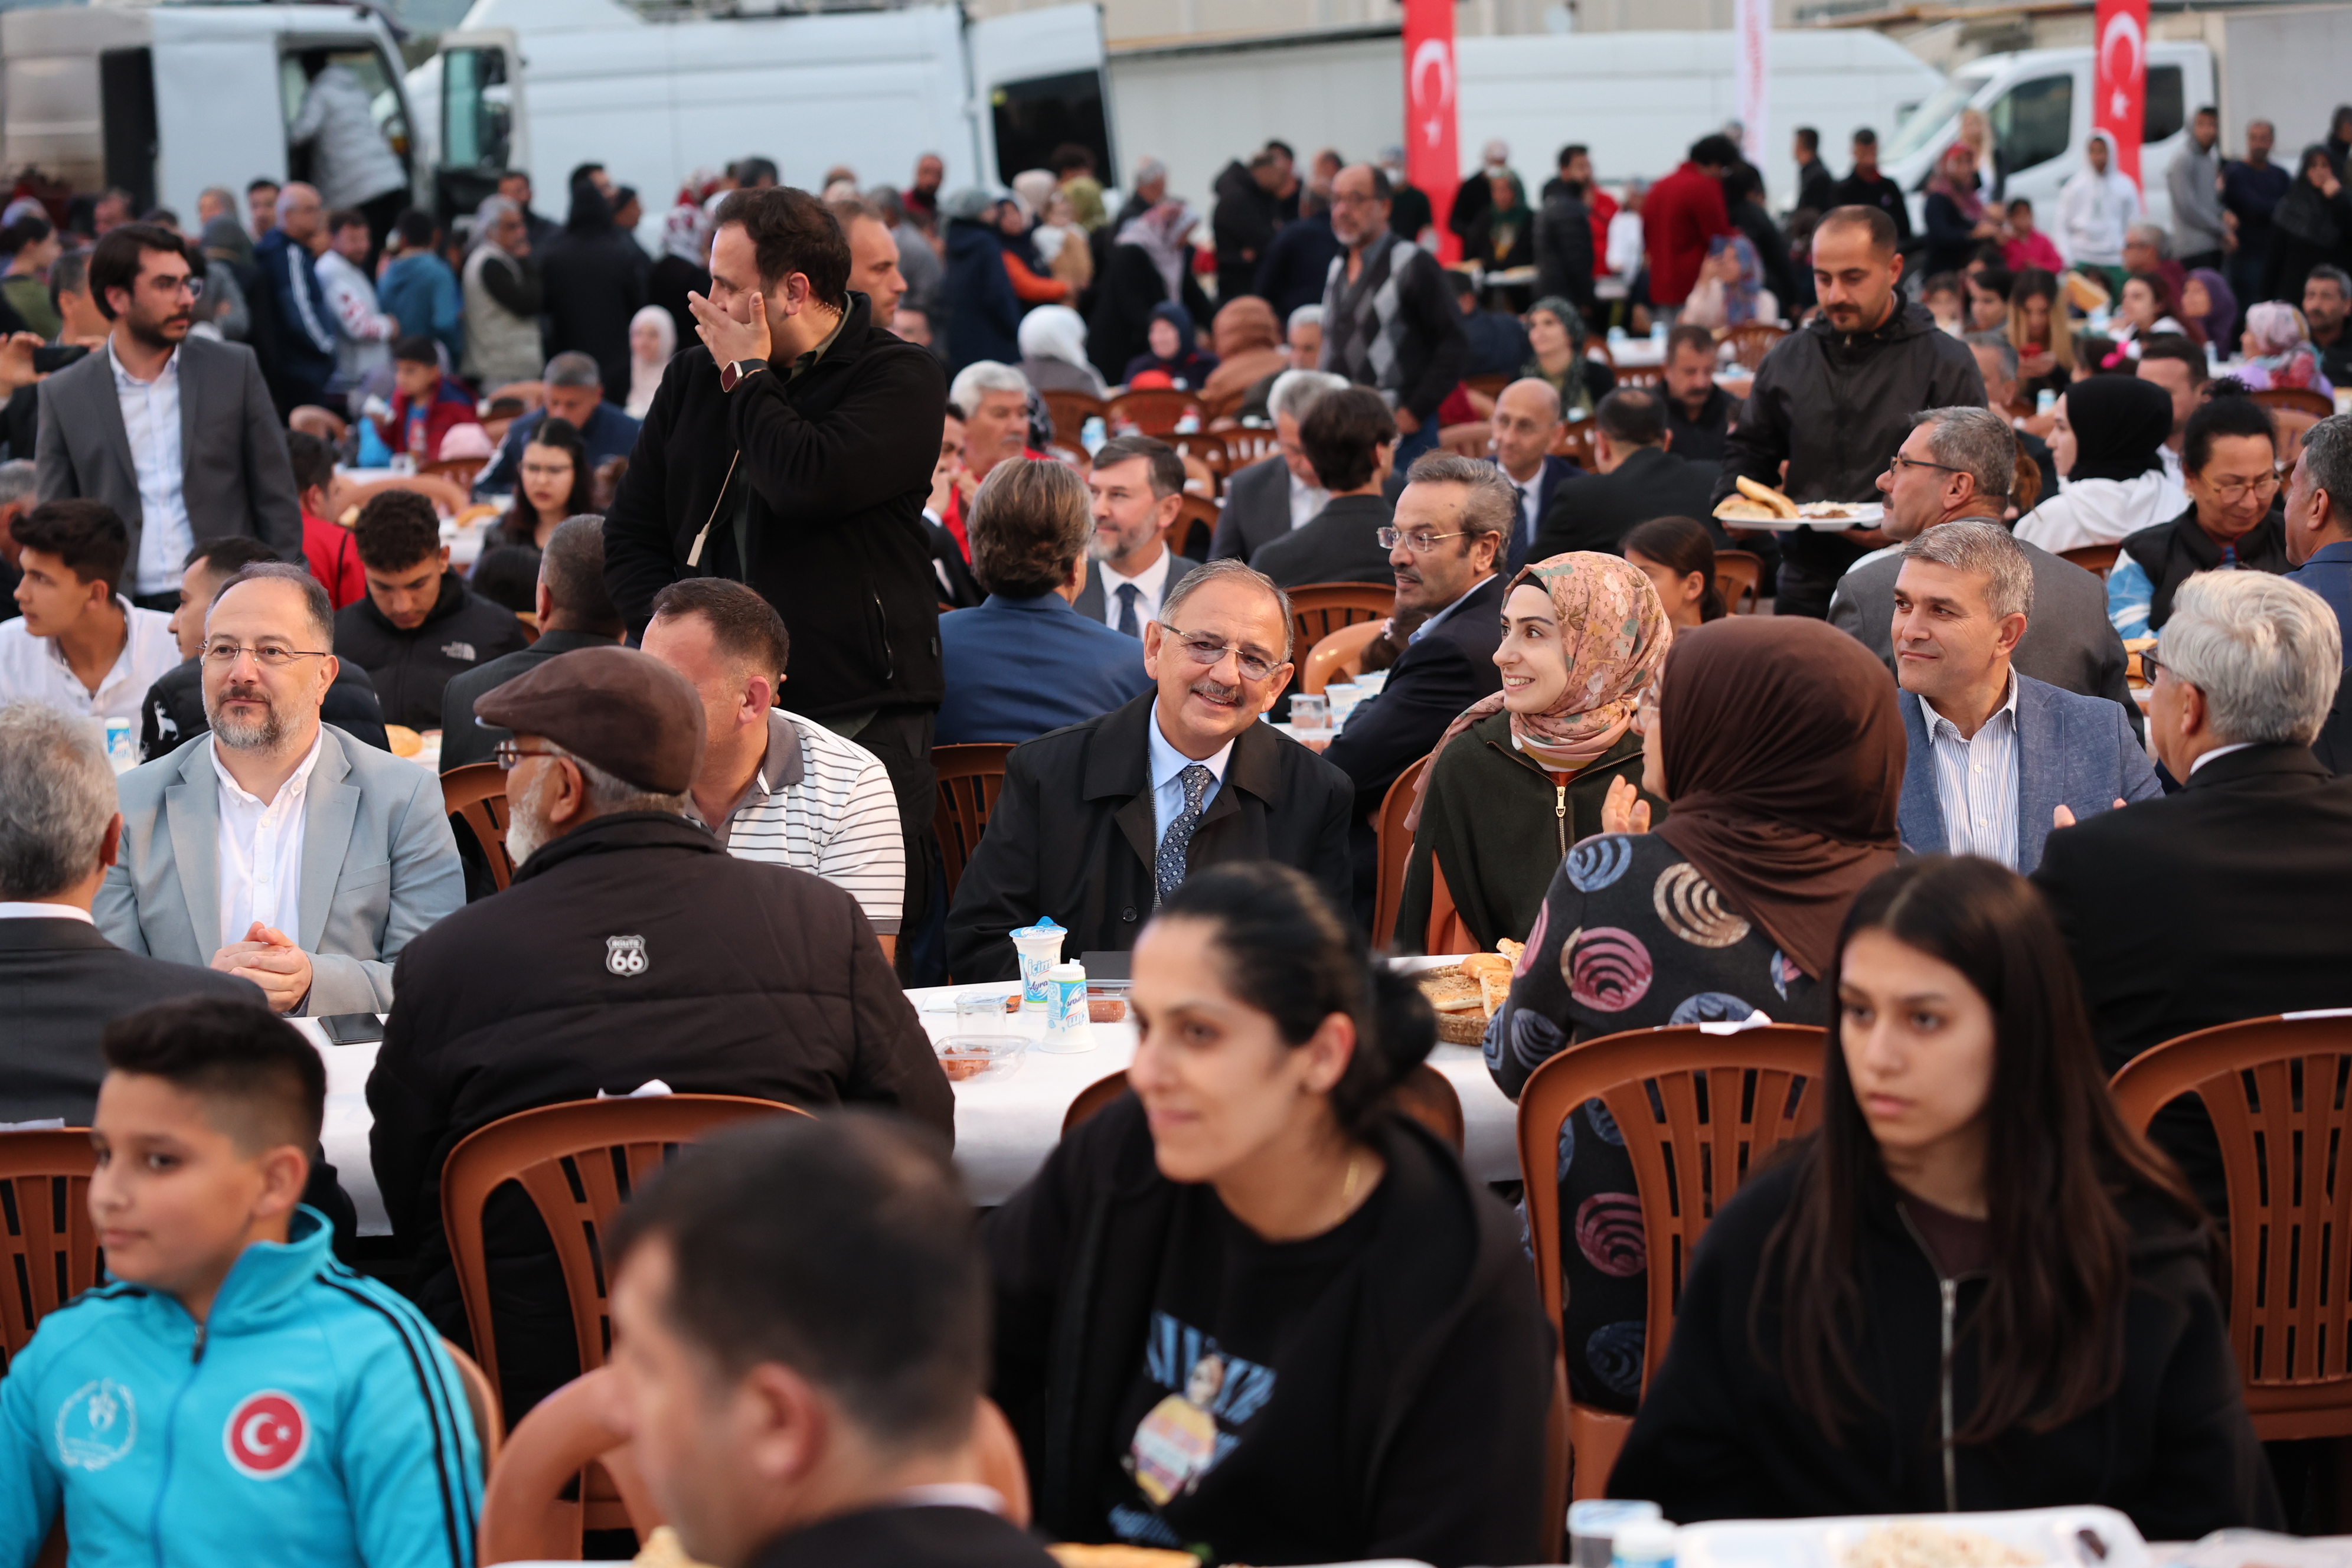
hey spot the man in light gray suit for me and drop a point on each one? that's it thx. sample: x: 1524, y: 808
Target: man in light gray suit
x: 1270, y: 498
x: 275, y: 847
x: 176, y: 434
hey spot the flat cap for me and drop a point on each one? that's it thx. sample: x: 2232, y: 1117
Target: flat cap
x: 626, y: 711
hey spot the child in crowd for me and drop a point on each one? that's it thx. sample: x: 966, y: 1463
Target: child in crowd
x: 427, y: 405
x: 231, y: 1389
x: 1943, y: 297
x: 327, y: 546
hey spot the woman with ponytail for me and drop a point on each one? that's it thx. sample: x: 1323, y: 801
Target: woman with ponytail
x: 1677, y: 555
x: 1248, y: 1310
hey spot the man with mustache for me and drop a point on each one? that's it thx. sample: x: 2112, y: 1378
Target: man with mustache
x: 1100, y: 821
x: 175, y: 434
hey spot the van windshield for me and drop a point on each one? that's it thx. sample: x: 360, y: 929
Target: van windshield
x: 1931, y: 118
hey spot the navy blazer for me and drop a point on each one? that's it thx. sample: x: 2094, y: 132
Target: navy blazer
x: 2071, y: 751
x: 1018, y: 668
x: 1555, y: 470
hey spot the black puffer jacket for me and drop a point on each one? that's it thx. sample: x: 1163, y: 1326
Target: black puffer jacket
x: 1719, y: 1436
x: 596, y: 278
x: 2171, y: 552
x: 839, y: 464
x: 1837, y: 407
x: 462, y: 632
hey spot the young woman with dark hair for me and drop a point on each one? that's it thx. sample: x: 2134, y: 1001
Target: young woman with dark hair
x: 553, y: 482
x: 1247, y: 1310
x: 1974, y: 1288
x: 1677, y: 554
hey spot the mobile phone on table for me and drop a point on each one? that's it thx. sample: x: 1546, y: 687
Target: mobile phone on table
x: 351, y: 1029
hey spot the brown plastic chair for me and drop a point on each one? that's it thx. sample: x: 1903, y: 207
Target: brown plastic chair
x: 1425, y: 1094
x: 571, y: 1442
x: 1491, y: 385
x: 2279, y: 1091
x: 476, y: 795
x: 1640, y: 375
x: 48, y: 1249
x: 1395, y: 849
x: 2096, y: 559
x: 1728, y: 1099
x: 1318, y: 609
x: 2301, y: 399
x: 530, y: 393
x: 2024, y: 484
x: 324, y: 423
x: 1071, y: 410
x: 1244, y: 446
x: 1154, y: 410
x: 1206, y: 445
x: 449, y: 499
x: 482, y: 1404
x: 971, y: 778
x: 459, y: 471
x: 1474, y: 440
x: 1738, y: 577
x: 578, y: 1162
x: 1574, y: 442
x: 1195, y: 526
x: 1341, y: 652
x: 1751, y: 340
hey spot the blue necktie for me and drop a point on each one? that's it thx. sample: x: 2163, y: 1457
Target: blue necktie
x: 1127, y: 593
x: 1168, y: 870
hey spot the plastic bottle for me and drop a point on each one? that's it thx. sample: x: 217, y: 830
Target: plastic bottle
x: 1093, y: 436
x: 1643, y: 1544
x: 1068, y: 1028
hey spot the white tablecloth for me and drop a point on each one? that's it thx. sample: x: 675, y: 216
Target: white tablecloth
x: 1005, y: 1125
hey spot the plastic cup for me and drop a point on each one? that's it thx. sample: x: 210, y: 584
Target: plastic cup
x: 1310, y: 712
x: 1040, y: 948
x: 980, y: 1017
x: 1593, y: 1524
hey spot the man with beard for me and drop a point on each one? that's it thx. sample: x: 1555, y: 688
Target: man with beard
x: 1101, y: 821
x: 1388, y: 318
x: 277, y: 847
x: 176, y: 434
x: 419, y: 626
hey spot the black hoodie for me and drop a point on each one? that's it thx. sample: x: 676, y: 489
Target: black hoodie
x: 463, y: 630
x: 1394, y: 1405
x: 596, y: 280
x: 1719, y: 1436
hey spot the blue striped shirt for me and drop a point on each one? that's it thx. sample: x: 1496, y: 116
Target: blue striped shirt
x: 1976, y: 781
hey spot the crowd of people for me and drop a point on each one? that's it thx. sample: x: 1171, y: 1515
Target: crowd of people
x: 785, y: 510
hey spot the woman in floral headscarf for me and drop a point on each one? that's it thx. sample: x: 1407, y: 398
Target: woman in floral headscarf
x: 2278, y: 350
x: 1731, y: 289
x: 1521, y: 774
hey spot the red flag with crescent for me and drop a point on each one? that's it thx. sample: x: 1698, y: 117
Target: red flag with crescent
x: 2119, y: 89
x: 1433, y: 161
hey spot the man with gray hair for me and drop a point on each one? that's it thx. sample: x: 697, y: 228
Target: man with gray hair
x: 17, y: 486
x: 1996, y: 758
x: 575, y: 394
x: 2318, y: 538
x: 1997, y: 362
x: 1274, y: 495
x: 1957, y: 465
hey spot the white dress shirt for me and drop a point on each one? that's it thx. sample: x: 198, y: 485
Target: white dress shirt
x: 151, y: 417
x: 1150, y: 586
x: 1306, y: 501
x: 1976, y: 781
x: 2216, y: 754
x: 1168, y: 765
x: 35, y: 912
x: 260, y: 849
x: 32, y: 669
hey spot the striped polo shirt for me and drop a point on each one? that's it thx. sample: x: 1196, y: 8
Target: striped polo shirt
x: 821, y: 804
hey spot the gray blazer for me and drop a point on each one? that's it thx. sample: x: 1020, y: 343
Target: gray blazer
x: 235, y: 474
x: 1089, y: 602
x: 379, y: 865
x: 1257, y: 510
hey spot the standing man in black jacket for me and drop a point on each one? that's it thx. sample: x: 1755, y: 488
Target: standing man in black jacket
x: 1389, y: 320
x: 419, y: 625
x: 793, y: 451
x: 1834, y: 400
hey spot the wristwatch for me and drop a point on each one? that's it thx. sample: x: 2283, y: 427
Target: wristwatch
x: 734, y: 371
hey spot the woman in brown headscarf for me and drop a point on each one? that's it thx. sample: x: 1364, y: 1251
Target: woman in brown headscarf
x: 1248, y: 345
x: 1778, y: 743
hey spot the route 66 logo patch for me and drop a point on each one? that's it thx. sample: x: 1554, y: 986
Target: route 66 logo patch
x: 625, y: 955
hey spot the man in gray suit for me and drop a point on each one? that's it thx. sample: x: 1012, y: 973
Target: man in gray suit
x: 1137, y: 484
x: 1270, y: 498
x: 176, y: 434
x: 274, y: 846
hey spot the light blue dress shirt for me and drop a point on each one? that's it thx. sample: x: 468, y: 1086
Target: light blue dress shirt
x: 1168, y: 765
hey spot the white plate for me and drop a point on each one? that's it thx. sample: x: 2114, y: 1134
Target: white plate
x: 2053, y: 1533
x: 1866, y: 514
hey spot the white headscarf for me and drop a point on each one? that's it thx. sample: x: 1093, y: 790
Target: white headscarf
x: 487, y: 218
x: 1054, y: 332
x: 645, y: 375
x: 1161, y: 231
x: 685, y: 234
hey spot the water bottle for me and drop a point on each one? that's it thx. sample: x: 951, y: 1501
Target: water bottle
x: 2044, y: 401
x: 1092, y: 437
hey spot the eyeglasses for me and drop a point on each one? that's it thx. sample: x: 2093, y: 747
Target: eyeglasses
x: 2150, y: 666
x: 1420, y: 541
x: 194, y: 285
x: 2229, y: 492
x: 270, y: 655
x: 507, y: 754
x: 1897, y: 463
x: 1209, y: 651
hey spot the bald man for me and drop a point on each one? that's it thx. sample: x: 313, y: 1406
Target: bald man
x: 304, y: 356
x: 1524, y: 424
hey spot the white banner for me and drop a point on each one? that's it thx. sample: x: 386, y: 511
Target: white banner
x: 1751, y: 27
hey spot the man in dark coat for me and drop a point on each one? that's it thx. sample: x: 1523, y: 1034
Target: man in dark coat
x: 1351, y: 439
x: 1244, y: 222
x: 630, y: 947
x: 1639, y: 478
x: 983, y: 313
x: 419, y: 625
x: 1291, y: 273
x: 574, y: 611
x: 1098, y: 821
x: 596, y: 278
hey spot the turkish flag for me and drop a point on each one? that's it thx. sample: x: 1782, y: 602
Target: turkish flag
x: 1431, y: 159
x: 2120, y: 85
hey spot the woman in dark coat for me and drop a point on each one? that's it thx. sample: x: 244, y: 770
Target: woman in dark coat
x: 983, y: 313
x: 596, y: 278
x: 1150, y: 265
x: 2314, y: 220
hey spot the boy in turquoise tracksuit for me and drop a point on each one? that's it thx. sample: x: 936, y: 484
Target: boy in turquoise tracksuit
x: 232, y: 1394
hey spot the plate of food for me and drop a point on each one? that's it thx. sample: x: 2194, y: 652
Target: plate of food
x: 2079, y: 1537
x: 1467, y: 991
x: 1761, y: 504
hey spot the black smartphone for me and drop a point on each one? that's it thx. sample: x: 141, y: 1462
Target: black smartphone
x: 47, y: 359
x: 353, y: 1028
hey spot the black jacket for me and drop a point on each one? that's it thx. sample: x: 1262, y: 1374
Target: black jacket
x: 1595, y: 511
x: 1074, y: 835
x: 409, y: 668
x: 596, y: 280
x: 1298, y: 260
x: 630, y: 949
x: 173, y: 711
x: 2171, y: 552
x: 1438, y: 1370
x: 1241, y: 226
x: 983, y: 313
x: 462, y: 740
x: 1836, y: 408
x: 1718, y: 1434
x: 1816, y: 187
x: 1564, y: 249
x: 1879, y: 191
x: 837, y: 463
x: 891, y: 1536
x: 1127, y: 291
x: 1340, y: 545
x: 1705, y: 438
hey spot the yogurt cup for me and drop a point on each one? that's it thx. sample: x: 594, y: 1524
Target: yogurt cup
x: 1040, y: 948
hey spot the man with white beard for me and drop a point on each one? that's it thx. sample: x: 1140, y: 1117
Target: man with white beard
x: 278, y: 847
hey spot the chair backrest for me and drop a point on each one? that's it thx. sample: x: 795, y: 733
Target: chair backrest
x: 324, y: 423
x: 447, y: 498
x: 1738, y: 576
x: 530, y: 393
x: 526, y: 1515
x: 1721, y: 1103
x: 2302, y: 399
x: 1340, y: 653
x: 476, y: 795
x: 1641, y: 374
x: 1206, y: 445
x: 1395, y: 841
x: 48, y: 1249
x: 1194, y: 528
x: 1318, y: 609
x: 1244, y: 447
x: 578, y: 1162
x: 483, y: 1406
x: 1154, y: 410
x: 1474, y: 439
x: 2279, y: 1091
x: 2294, y: 424
x: 1574, y: 442
x: 1491, y: 385
x: 1425, y: 1094
x: 2024, y: 484
x: 2096, y: 559
x: 1751, y: 340
x: 459, y: 471
x: 1071, y: 410
x: 971, y: 778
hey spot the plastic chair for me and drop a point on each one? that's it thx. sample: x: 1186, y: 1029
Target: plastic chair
x: 1206, y: 445
x: 459, y: 471
x: 1195, y: 526
x: 2096, y: 559
x: 1751, y: 340
x: 48, y: 1249
x: 482, y: 1403
x: 578, y: 1162
x: 1574, y: 442
x: 2301, y: 399
x: 324, y: 423
x: 571, y: 1442
x: 530, y: 393
x: 971, y: 778
x: 1474, y: 439
x: 1071, y: 410
x: 1718, y: 1123
x: 1425, y: 1094
x: 1395, y: 842
x: 476, y: 795
x: 1640, y: 375
x: 2024, y: 484
x: 1154, y: 411
x: 449, y: 499
x: 2279, y: 1091
x: 1340, y: 653
x: 1318, y: 609
x: 1244, y: 446
x: 1738, y: 576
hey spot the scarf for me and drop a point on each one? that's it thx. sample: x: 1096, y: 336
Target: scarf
x: 1614, y: 633
x: 1248, y: 341
x: 1054, y: 332
x: 1503, y: 229
x: 645, y: 375
x: 2286, y: 356
x: 685, y: 234
x: 1160, y: 231
x: 225, y: 240
x: 2120, y: 423
x: 1575, y: 392
x: 1738, y: 299
x: 2303, y: 211
x: 1783, y: 755
x: 2213, y: 327
x: 1947, y: 183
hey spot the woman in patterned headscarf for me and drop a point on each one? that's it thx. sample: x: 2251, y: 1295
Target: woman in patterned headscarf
x: 1521, y: 774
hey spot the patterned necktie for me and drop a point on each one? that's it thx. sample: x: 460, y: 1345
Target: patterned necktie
x: 1127, y: 593
x: 1168, y: 870
x: 1523, y: 536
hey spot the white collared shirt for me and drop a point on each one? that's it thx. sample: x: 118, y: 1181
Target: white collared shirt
x: 260, y: 850
x: 1976, y: 781
x: 2215, y: 754
x: 1306, y: 501
x: 32, y: 668
x: 1168, y: 765
x: 1530, y: 491
x: 1150, y: 586
x: 31, y: 911
x: 151, y: 417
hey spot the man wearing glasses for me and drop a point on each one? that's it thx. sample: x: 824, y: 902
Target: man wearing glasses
x: 1956, y: 466
x: 176, y: 434
x: 1098, y: 822
x: 2229, y: 464
x: 277, y: 847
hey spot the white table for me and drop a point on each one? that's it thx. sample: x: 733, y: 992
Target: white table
x: 1005, y: 1125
